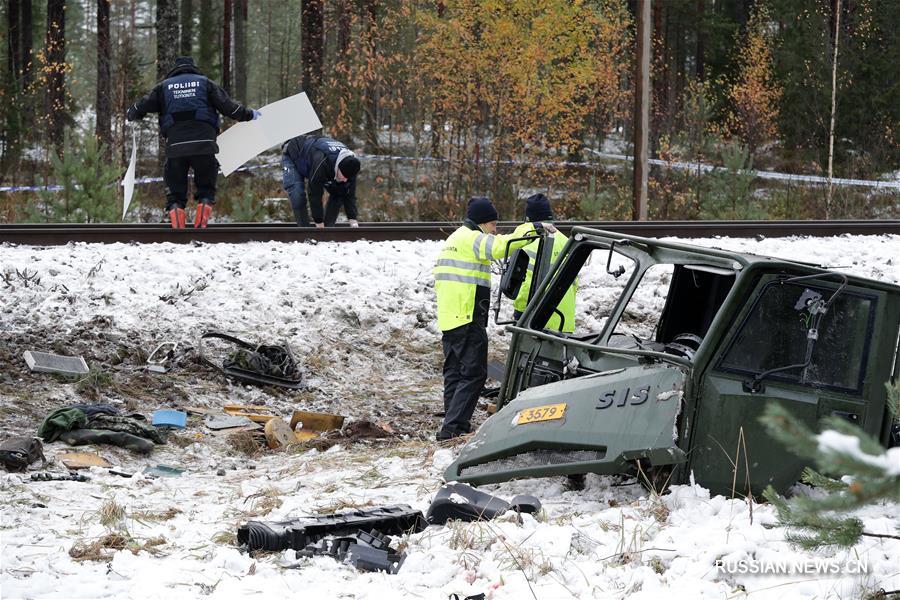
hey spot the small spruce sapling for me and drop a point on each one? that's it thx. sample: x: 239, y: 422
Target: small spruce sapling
x: 869, y: 472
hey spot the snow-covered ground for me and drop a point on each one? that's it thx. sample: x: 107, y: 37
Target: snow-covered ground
x: 360, y: 318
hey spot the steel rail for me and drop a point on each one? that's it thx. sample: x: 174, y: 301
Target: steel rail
x: 51, y: 234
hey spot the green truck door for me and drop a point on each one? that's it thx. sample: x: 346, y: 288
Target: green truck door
x: 731, y: 451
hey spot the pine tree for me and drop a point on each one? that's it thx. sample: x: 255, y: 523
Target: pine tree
x: 870, y: 474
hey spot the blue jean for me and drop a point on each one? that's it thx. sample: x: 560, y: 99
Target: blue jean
x: 293, y: 185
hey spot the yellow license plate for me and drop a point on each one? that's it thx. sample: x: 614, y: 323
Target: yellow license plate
x: 548, y: 412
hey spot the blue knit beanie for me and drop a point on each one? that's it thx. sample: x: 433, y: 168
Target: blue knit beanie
x: 537, y: 208
x: 481, y: 210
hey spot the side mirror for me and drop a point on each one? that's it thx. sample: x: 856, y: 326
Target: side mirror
x: 612, y: 248
x: 514, y: 274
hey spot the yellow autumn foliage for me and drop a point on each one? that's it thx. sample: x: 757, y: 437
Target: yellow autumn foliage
x: 522, y: 77
x: 755, y: 95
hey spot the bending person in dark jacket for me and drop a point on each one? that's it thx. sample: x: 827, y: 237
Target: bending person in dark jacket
x: 313, y: 164
x: 189, y: 105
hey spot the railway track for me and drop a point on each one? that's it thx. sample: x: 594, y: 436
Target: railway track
x: 58, y: 234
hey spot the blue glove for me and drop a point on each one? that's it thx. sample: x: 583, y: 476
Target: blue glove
x: 256, y: 114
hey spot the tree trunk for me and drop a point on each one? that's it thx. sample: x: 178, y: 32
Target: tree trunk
x: 659, y: 39
x: 371, y: 102
x: 26, y: 20
x: 14, y: 37
x: 55, y: 69
x: 641, y: 112
x: 701, y: 38
x: 166, y: 48
x: 268, y: 57
x: 311, y: 43
x: 834, y: 65
x: 344, y: 126
x: 104, y: 87
x: 226, y: 47
x: 681, y: 47
x: 240, y: 50
x: 206, y: 36
x: 166, y: 36
x: 437, y: 116
x: 186, y: 47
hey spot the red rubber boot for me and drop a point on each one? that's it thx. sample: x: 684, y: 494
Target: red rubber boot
x: 177, y: 218
x: 204, y: 210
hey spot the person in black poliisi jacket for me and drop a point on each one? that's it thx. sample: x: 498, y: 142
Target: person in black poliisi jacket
x: 188, y: 105
x: 313, y: 164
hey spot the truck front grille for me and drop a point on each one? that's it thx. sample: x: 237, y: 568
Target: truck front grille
x: 533, y: 458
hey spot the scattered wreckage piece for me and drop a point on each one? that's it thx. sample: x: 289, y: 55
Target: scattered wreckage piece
x: 316, y: 421
x: 72, y: 476
x: 257, y: 414
x: 160, y: 360
x: 279, y: 434
x: 82, y: 460
x: 365, y: 551
x: 304, y: 436
x: 251, y: 428
x: 163, y: 471
x: 16, y: 453
x: 169, y: 418
x: 45, y: 362
x: 202, y: 410
x: 223, y: 421
x: 260, y: 364
x: 465, y: 503
x: 297, y: 534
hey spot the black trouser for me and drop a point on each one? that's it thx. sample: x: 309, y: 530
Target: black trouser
x: 333, y: 207
x: 175, y: 174
x: 465, y: 371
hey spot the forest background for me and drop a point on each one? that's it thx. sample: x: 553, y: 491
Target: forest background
x: 452, y: 98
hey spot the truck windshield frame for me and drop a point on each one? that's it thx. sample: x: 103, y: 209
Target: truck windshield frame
x: 740, y: 359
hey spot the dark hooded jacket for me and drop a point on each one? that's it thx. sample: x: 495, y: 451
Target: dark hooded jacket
x: 192, y: 131
x: 316, y: 158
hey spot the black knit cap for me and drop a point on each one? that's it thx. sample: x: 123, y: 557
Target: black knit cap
x: 481, y: 210
x: 349, y: 167
x: 182, y: 61
x: 537, y: 208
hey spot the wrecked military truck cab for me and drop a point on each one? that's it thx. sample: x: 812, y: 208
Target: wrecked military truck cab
x: 676, y: 352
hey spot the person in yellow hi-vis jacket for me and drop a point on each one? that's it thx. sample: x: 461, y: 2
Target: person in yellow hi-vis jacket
x: 462, y: 283
x: 537, y: 208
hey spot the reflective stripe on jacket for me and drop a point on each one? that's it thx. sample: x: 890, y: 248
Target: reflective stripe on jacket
x: 567, y: 305
x: 463, y: 265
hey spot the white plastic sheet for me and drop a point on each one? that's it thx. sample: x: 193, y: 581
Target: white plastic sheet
x: 128, y: 181
x: 279, y: 122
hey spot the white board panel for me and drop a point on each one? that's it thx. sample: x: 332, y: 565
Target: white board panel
x: 279, y: 122
x: 128, y: 180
